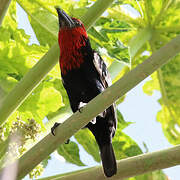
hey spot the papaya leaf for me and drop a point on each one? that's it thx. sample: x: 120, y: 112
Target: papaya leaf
x: 71, y: 153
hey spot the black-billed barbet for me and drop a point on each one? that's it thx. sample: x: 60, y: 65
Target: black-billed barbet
x: 84, y: 76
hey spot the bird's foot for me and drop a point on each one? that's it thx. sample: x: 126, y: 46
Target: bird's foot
x: 54, y: 127
x: 67, y: 142
x: 53, y: 131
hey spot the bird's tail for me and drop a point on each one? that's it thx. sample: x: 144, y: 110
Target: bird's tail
x: 108, y: 159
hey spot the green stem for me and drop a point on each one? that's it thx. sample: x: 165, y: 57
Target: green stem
x: 128, y: 167
x: 148, y: 9
x: 138, y: 41
x: 31, y: 80
x: 4, y: 4
x: 140, y: 9
x: 95, y: 12
x: 163, y: 92
x: 78, y: 120
x: 174, y: 29
x: 162, y: 86
x: 163, y: 11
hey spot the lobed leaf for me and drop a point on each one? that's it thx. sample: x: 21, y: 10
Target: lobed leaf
x: 71, y: 153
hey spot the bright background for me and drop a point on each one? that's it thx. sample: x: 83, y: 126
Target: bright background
x: 137, y: 107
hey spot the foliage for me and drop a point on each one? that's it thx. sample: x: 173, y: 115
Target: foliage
x: 123, y: 41
x: 156, y: 23
x: 156, y: 175
x: 71, y: 153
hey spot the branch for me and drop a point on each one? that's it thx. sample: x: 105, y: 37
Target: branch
x: 32, y: 79
x: 128, y: 167
x: 3, y: 9
x: 97, y: 9
x: 78, y: 120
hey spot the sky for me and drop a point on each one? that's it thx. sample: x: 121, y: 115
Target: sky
x: 138, y: 107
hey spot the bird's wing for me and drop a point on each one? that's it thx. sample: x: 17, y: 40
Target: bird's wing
x: 106, y: 82
x: 102, y: 70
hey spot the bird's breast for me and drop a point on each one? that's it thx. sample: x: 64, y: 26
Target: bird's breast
x: 71, y: 55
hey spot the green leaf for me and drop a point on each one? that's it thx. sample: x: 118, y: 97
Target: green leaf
x: 122, y: 124
x: 71, y: 153
x: 167, y: 81
x: 120, y: 52
x: 124, y: 146
x: 46, y: 33
x: 43, y: 100
x: 157, y: 25
x: 94, y: 32
x: 16, y: 58
x: 117, y: 12
x: 156, y: 175
x: 10, y: 18
x: 45, y: 161
x: 151, y: 85
x: 169, y: 116
x: 87, y: 140
x: 139, y: 40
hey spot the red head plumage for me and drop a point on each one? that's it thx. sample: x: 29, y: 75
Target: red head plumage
x: 72, y: 36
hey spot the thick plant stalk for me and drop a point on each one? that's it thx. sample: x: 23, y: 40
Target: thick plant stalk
x: 91, y: 17
x: 4, y: 4
x: 78, y: 120
x: 31, y: 80
x: 128, y: 167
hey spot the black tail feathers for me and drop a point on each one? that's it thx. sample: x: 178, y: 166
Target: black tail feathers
x: 108, y: 160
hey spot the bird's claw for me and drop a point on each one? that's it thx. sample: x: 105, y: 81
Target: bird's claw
x: 53, y: 131
x: 67, y: 142
x: 54, y: 127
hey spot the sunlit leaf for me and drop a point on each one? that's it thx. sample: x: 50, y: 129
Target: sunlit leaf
x: 87, y: 140
x: 71, y: 153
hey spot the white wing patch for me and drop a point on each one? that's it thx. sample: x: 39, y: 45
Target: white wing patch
x: 81, y: 105
x: 102, y: 70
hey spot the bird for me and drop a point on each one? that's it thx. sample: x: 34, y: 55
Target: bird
x: 84, y: 75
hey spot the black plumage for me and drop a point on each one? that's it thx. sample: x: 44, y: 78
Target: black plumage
x: 84, y: 79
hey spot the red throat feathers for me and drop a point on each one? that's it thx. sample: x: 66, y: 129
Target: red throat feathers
x: 70, y: 43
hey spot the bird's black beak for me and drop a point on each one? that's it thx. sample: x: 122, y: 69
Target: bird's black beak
x: 65, y: 21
